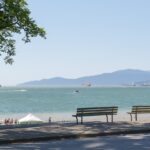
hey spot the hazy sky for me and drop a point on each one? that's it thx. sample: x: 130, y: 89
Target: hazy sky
x: 84, y: 37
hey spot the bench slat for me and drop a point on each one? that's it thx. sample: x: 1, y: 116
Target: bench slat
x: 95, y: 114
x: 113, y: 107
x: 91, y: 111
x: 103, y: 110
x: 140, y: 109
x: 96, y: 111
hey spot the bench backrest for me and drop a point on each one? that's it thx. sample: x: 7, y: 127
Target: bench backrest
x: 93, y: 111
x: 141, y: 109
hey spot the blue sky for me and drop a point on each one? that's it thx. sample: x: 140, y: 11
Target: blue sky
x: 84, y: 37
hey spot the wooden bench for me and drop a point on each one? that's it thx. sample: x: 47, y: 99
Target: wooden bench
x: 96, y: 111
x: 139, y: 110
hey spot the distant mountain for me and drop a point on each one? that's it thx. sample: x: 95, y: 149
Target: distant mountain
x: 117, y: 78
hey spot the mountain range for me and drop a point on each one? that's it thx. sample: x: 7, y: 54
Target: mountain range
x: 116, y: 78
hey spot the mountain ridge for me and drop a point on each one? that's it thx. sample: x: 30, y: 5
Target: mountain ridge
x: 119, y: 77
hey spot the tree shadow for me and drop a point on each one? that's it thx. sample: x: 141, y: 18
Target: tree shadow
x: 126, y: 142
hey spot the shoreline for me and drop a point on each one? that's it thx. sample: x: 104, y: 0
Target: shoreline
x: 67, y: 117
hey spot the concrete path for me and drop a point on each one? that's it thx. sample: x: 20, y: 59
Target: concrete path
x: 56, y: 131
x: 127, y: 142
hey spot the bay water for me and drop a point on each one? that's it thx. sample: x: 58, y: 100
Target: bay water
x: 19, y: 101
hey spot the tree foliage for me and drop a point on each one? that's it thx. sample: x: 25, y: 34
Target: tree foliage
x: 15, y: 19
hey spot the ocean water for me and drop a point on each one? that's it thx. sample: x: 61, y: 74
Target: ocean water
x: 65, y: 100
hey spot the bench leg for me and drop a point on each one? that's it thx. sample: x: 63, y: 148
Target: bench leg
x: 135, y: 117
x: 81, y: 120
x: 77, y: 119
x: 112, y: 118
x: 131, y: 116
x: 107, y: 118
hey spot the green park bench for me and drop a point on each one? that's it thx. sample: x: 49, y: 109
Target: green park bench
x: 139, y: 110
x: 96, y: 111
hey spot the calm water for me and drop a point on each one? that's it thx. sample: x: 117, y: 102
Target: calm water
x: 61, y: 100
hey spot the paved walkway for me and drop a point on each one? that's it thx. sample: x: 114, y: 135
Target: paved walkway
x: 126, y: 142
x: 70, y: 130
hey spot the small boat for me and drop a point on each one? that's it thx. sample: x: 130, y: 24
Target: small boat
x: 87, y: 84
x: 76, y: 91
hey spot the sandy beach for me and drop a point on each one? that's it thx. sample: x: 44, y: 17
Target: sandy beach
x: 67, y: 117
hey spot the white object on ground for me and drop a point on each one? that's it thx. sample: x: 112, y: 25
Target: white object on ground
x: 29, y: 119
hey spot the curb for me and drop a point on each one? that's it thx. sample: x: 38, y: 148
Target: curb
x: 73, y: 136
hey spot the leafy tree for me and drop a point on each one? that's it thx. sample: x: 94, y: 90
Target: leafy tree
x: 15, y: 19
